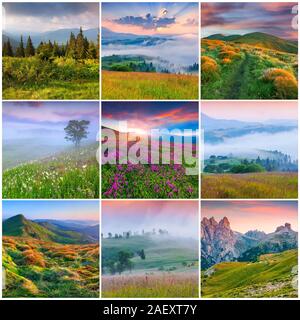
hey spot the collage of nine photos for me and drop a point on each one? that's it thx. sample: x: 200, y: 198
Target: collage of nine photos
x: 152, y: 153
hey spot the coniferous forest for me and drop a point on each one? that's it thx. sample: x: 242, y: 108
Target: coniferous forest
x: 51, y: 70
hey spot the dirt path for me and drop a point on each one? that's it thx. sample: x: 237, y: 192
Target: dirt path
x: 238, y: 80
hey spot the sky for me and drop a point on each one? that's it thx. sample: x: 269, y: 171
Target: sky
x: 251, y: 110
x: 245, y: 17
x: 52, y: 209
x: 144, y: 116
x: 180, y: 218
x: 253, y: 215
x: 45, y: 121
x: 151, y: 18
x: 49, y: 16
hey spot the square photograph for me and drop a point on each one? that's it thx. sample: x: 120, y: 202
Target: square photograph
x: 50, y: 249
x: 249, y: 249
x: 249, y: 51
x: 150, y: 249
x: 150, y: 51
x: 250, y: 150
x: 50, y: 150
x: 50, y: 51
x: 150, y: 150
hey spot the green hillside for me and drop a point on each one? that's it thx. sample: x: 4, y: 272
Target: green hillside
x: 161, y: 252
x: 260, y: 39
x: 271, y: 276
x: 19, y: 226
x: 73, y: 174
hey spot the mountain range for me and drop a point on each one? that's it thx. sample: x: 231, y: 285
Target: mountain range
x: 217, y: 130
x: 259, y: 39
x: 109, y: 37
x: 220, y: 243
x: 61, y: 36
x: 64, y: 232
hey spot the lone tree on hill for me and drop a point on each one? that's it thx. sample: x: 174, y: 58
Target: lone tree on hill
x: 76, y: 131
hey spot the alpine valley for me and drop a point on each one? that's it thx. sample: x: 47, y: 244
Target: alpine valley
x: 252, y: 264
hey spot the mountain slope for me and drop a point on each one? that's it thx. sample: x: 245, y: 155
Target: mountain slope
x: 19, y: 226
x: 272, y: 276
x: 219, y: 243
x: 260, y: 39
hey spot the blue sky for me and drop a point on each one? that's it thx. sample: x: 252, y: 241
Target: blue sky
x: 52, y: 209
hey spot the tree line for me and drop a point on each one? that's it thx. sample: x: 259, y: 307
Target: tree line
x: 76, y: 47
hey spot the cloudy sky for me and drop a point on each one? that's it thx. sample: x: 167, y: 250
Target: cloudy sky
x: 151, y: 18
x: 251, y: 110
x: 180, y: 218
x: 253, y: 215
x: 145, y: 116
x: 47, y: 120
x: 60, y: 210
x: 40, y: 17
x: 245, y: 17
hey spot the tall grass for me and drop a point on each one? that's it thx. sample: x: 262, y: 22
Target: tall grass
x: 252, y: 185
x: 146, y: 85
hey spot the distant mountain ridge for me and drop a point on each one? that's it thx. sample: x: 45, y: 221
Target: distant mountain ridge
x: 19, y: 226
x: 61, y: 36
x: 260, y: 39
x: 220, y: 243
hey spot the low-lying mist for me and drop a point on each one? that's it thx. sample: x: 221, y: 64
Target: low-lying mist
x: 250, y: 145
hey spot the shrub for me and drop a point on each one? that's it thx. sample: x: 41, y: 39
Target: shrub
x: 226, y: 61
x: 287, y: 88
x: 285, y: 83
x: 209, y: 69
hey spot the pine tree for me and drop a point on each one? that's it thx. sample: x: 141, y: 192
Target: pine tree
x: 55, y: 51
x: 29, y: 51
x: 80, y: 46
x: 71, y: 47
x: 92, y: 51
x: 7, y: 50
x: 20, y: 52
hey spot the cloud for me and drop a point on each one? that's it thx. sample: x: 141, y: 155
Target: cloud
x: 148, y: 21
x: 273, y: 18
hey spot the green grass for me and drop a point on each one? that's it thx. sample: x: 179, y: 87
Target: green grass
x: 44, y: 269
x: 148, y: 85
x: 64, y: 176
x: 272, y: 276
x: 270, y: 185
x: 242, y: 78
x: 63, y: 78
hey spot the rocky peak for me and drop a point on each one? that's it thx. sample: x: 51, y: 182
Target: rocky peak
x: 286, y: 228
x: 225, y: 223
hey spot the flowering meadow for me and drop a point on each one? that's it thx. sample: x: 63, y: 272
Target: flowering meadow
x: 68, y: 175
x: 148, y: 182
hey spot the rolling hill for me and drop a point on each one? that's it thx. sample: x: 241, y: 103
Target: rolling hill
x: 274, y: 275
x: 259, y: 39
x: 19, y: 226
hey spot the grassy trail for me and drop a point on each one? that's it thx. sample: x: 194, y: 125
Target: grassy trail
x: 239, y: 79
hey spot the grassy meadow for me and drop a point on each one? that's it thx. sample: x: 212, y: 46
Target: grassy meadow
x: 117, y: 85
x: 233, y: 70
x: 36, y: 268
x: 183, y: 285
x: 169, y: 267
x: 271, y: 276
x: 148, y: 182
x: 265, y: 185
x: 69, y: 174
